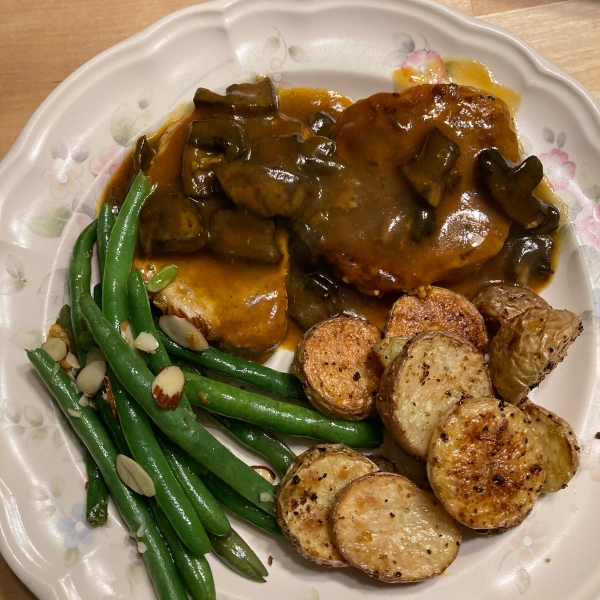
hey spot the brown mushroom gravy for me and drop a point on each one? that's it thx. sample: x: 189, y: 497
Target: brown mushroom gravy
x: 302, y: 204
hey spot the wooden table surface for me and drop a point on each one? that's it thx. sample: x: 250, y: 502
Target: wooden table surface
x: 43, y: 41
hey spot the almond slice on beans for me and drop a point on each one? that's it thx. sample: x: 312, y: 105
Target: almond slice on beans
x: 72, y: 361
x: 265, y: 472
x: 127, y: 333
x: 167, y: 387
x: 182, y: 332
x: 134, y: 476
x: 91, y: 378
x: 146, y: 342
x: 56, y: 348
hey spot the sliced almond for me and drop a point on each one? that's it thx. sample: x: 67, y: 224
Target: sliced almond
x: 91, y: 378
x: 72, y: 361
x: 167, y: 387
x: 94, y: 355
x: 182, y: 332
x: 127, y: 333
x: 56, y: 348
x: 134, y: 476
x: 146, y: 342
x: 265, y: 472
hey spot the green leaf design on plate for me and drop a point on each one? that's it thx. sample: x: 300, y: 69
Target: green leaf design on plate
x: 13, y: 412
x: 34, y: 416
x: 135, y: 574
x: 36, y: 436
x: 589, y: 181
x: 522, y: 580
x: 37, y: 493
x: 16, y: 430
x: 272, y: 45
x: 57, y: 484
x: 71, y: 557
x: 28, y: 340
x: 48, y: 511
x: 121, y: 124
x: 297, y: 54
x: 48, y: 220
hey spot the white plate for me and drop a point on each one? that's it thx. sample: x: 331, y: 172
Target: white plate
x: 46, y: 197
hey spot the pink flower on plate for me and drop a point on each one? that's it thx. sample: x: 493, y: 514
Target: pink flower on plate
x: 421, y: 66
x: 527, y: 542
x: 588, y: 224
x: 63, y: 177
x: 108, y: 161
x: 559, y: 169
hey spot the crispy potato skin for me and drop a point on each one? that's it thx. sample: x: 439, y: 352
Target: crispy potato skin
x: 435, y: 371
x: 338, y: 368
x: 561, y: 445
x: 441, y: 310
x: 527, y: 347
x: 392, y: 530
x: 500, y: 303
x: 307, y: 494
x: 486, y: 464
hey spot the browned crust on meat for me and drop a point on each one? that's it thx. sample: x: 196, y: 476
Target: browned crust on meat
x: 499, y: 303
x: 441, y: 310
x: 338, y: 368
x: 307, y: 493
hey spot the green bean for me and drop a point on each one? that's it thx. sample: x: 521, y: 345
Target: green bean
x: 80, y: 275
x: 98, y: 295
x: 106, y: 222
x: 176, y: 424
x: 120, y: 253
x: 133, y: 509
x: 239, y: 505
x: 204, y: 503
x: 109, y: 420
x: 258, y: 376
x: 193, y: 570
x: 96, y: 510
x: 259, y: 440
x: 237, y: 555
x: 162, y: 279
x: 141, y: 320
x: 230, y: 401
x: 86, y: 341
x: 64, y: 320
x: 147, y: 453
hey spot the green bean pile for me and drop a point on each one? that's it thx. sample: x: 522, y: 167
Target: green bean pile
x: 193, y: 474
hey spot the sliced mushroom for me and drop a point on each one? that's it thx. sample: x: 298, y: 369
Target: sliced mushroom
x: 427, y: 172
x: 170, y: 223
x: 240, y: 98
x: 266, y: 191
x: 512, y: 186
x: 244, y: 235
x: 321, y: 122
x: 218, y: 135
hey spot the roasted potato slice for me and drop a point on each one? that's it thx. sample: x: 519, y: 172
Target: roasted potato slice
x: 388, y: 348
x: 500, y: 303
x: 435, y: 371
x: 486, y: 464
x: 383, y: 463
x: 307, y: 494
x: 392, y: 530
x: 527, y: 347
x: 338, y: 368
x: 440, y: 310
x: 561, y: 445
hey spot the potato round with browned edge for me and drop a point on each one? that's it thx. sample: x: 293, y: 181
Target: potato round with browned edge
x: 307, y: 493
x: 486, y: 464
x: 499, y: 303
x: 441, y: 310
x: 435, y: 371
x: 561, y: 445
x: 527, y: 347
x: 338, y: 368
x: 394, y: 531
